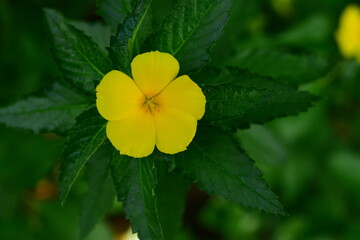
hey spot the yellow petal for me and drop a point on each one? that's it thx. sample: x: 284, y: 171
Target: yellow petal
x: 348, y: 34
x: 175, y: 129
x: 117, y: 96
x: 153, y: 71
x: 183, y: 94
x: 133, y: 136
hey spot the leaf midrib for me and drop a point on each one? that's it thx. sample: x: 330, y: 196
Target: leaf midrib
x: 75, y: 45
x: 133, y: 36
x: 85, y: 159
x: 142, y: 196
x: 193, y: 31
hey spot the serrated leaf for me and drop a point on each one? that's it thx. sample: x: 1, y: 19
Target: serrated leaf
x: 171, y: 192
x: 55, y: 109
x: 219, y: 166
x: 191, y: 30
x: 84, y: 139
x: 123, y: 43
x: 100, y: 195
x: 114, y: 11
x: 135, y: 181
x: 252, y: 99
x: 79, y: 59
x: 288, y: 68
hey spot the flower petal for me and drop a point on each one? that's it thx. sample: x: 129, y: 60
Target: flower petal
x: 174, y: 129
x: 348, y: 35
x: 184, y: 94
x: 117, y: 96
x: 133, y: 136
x: 153, y: 71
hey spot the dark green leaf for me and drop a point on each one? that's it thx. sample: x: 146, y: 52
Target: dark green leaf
x: 100, y: 196
x: 53, y: 110
x: 79, y: 59
x: 114, y: 11
x: 124, y: 42
x: 252, y: 99
x: 171, y: 192
x: 191, y: 30
x: 99, y: 32
x: 219, y: 166
x: 215, y: 76
x: 84, y: 139
x: 135, y: 181
x: 286, y: 67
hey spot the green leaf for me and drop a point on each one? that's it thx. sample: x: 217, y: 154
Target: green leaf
x: 214, y: 76
x: 219, y: 166
x: 99, y: 32
x: 84, y: 139
x: 171, y: 192
x: 135, y: 181
x: 79, y: 59
x: 191, y: 30
x: 252, y: 99
x: 100, y: 195
x: 310, y: 32
x: 124, y: 42
x: 286, y: 67
x: 114, y: 11
x: 55, y: 109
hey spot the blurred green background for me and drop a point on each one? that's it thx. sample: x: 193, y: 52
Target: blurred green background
x: 312, y: 161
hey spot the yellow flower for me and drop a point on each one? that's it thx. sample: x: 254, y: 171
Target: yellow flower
x: 153, y: 109
x: 348, y: 34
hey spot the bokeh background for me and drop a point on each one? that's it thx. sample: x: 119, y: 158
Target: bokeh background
x: 312, y: 161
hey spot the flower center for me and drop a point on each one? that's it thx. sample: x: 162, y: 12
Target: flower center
x: 150, y: 105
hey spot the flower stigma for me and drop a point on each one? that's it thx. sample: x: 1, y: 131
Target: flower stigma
x: 150, y: 105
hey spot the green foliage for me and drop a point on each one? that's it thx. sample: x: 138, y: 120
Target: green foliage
x: 100, y: 196
x: 84, y: 139
x: 124, y: 42
x: 191, y: 30
x: 251, y: 99
x: 80, y: 60
x: 99, y: 32
x: 135, y: 181
x: 171, y: 192
x: 55, y: 109
x: 286, y: 67
x: 114, y: 11
x: 223, y: 168
x: 250, y: 86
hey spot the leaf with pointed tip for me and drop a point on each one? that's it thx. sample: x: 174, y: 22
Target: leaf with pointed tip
x: 100, y: 195
x: 79, y: 59
x: 249, y: 98
x: 123, y: 43
x: 135, y: 181
x: 219, y: 166
x: 191, y: 30
x: 114, y: 11
x: 53, y: 110
x: 84, y: 139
